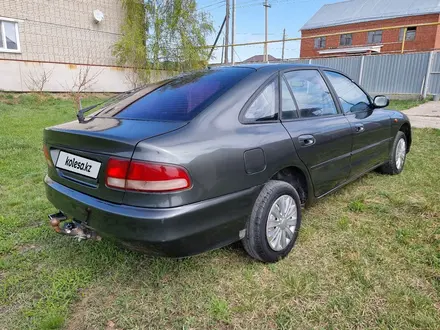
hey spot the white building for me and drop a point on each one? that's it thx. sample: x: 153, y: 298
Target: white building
x: 59, y: 39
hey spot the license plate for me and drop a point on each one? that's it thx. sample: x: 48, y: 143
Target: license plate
x: 77, y: 164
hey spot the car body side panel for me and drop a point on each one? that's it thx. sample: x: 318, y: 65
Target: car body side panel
x: 371, y: 133
x: 371, y: 146
x: 328, y: 160
x: 216, y: 163
x: 398, y: 119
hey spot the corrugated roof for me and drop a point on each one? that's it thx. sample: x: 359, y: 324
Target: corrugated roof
x: 356, y: 11
x: 259, y: 59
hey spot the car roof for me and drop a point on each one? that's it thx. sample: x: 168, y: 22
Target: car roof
x: 272, y: 67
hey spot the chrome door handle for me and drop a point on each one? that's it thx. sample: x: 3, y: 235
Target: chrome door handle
x: 306, y: 140
x: 359, y: 128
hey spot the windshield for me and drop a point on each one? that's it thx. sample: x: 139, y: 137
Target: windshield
x: 181, y: 98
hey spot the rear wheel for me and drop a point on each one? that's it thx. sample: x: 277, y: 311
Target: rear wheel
x: 272, y: 229
x: 397, y: 158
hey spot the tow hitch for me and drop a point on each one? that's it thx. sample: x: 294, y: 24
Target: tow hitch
x: 71, y: 228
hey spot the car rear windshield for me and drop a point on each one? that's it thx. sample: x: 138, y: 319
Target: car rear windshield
x: 184, y: 97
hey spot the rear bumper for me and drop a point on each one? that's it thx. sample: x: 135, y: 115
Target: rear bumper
x: 174, y: 232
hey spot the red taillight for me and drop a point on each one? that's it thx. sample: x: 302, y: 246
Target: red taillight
x: 117, y: 173
x: 143, y: 176
x: 47, y: 156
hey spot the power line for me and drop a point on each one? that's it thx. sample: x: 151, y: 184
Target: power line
x: 67, y: 26
x: 274, y: 2
x: 211, y: 4
x: 258, y: 34
x: 258, y: 2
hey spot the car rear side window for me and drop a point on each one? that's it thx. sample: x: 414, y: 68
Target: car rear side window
x: 264, y: 106
x: 311, y: 93
x: 183, y: 98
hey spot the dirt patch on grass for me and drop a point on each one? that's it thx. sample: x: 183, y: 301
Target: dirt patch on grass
x: 9, y: 98
x: 79, y: 315
x: 27, y: 248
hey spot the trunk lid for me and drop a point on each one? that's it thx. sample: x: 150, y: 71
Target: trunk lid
x: 95, y: 142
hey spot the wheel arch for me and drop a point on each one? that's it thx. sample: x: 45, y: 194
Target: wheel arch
x: 299, y: 179
x: 406, y: 129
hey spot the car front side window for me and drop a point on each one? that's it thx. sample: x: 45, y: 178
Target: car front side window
x: 264, y: 106
x: 352, y: 98
x: 311, y: 93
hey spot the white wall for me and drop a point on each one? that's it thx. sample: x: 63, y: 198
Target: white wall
x: 64, y: 31
x: 17, y: 76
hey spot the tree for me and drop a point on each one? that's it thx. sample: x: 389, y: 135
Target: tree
x: 38, y: 78
x: 83, y: 81
x: 163, y: 34
x: 130, y: 50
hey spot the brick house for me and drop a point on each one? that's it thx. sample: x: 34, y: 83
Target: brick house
x: 344, y: 18
x: 60, y: 38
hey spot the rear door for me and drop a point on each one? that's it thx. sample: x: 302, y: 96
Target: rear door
x: 321, y: 134
x: 371, y: 128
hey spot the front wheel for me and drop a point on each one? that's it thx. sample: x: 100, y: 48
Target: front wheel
x: 273, y: 226
x: 397, y: 158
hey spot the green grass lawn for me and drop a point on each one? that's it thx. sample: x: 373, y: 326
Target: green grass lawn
x: 407, y: 104
x: 367, y: 257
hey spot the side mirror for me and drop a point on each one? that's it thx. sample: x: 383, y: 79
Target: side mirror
x: 381, y: 101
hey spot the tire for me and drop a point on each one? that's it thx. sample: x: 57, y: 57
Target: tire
x: 396, y: 163
x: 260, y: 241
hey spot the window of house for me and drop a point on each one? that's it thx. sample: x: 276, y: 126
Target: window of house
x: 264, y: 106
x: 9, y: 40
x: 410, y: 34
x: 346, y: 39
x: 320, y: 42
x: 375, y: 37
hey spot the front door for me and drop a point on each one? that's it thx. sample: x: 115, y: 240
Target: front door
x: 371, y: 128
x: 322, y: 136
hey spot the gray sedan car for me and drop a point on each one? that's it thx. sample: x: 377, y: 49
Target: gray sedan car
x: 225, y: 154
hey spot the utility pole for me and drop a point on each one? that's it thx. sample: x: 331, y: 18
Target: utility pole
x: 227, y: 32
x: 284, y: 42
x: 233, y: 32
x: 266, y: 7
x: 223, y: 51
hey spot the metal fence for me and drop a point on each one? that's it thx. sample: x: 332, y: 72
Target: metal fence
x: 411, y: 74
x: 434, y: 73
